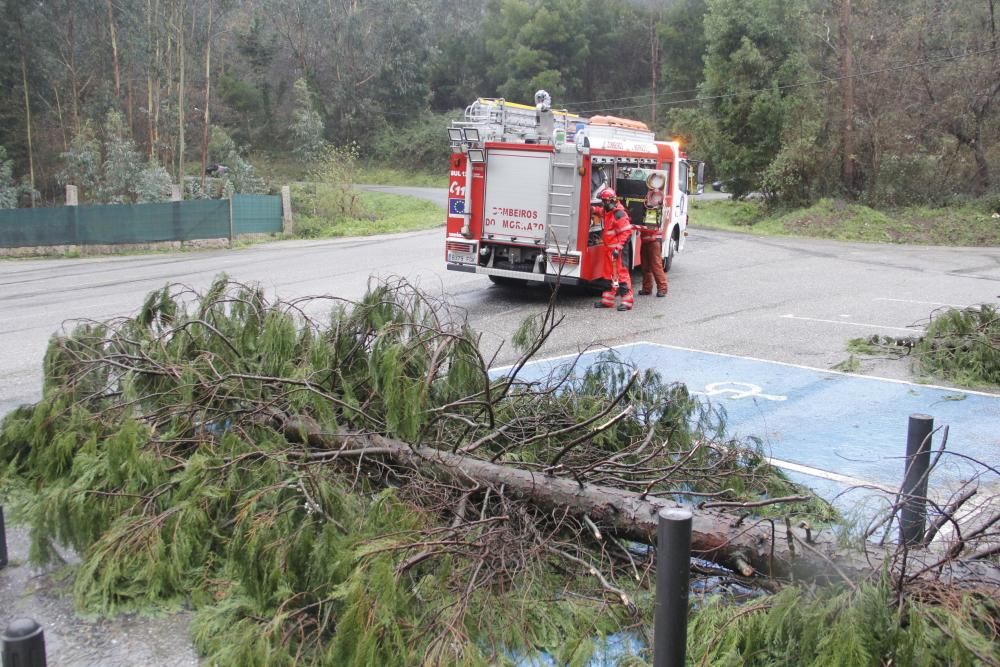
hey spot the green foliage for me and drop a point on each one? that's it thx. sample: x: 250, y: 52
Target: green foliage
x: 682, y: 37
x: 752, y: 51
x: 240, y: 176
x: 908, y: 180
x: 306, y: 129
x: 962, y: 345
x: 330, y: 196
x: 111, y: 170
x: 9, y: 190
x: 170, y: 451
x: 417, y: 145
x: 532, y: 45
x: 830, y: 627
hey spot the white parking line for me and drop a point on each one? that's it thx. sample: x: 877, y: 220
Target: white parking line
x: 826, y: 474
x: 866, y: 378
x: 911, y: 330
x: 924, y: 303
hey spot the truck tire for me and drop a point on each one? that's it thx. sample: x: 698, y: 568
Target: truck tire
x: 671, y: 251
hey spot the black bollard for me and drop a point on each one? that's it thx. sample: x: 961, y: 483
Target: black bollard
x: 24, y: 644
x: 673, y: 564
x: 913, y: 514
x: 3, y: 541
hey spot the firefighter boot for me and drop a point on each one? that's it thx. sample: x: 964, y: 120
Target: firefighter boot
x: 626, y: 294
x: 607, y: 299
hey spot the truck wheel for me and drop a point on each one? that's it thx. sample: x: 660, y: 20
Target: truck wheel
x: 671, y: 251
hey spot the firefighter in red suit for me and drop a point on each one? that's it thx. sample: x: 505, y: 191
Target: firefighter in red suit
x: 617, y: 229
x: 651, y: 252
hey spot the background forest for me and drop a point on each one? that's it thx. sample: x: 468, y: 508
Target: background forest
x: 892, y: 103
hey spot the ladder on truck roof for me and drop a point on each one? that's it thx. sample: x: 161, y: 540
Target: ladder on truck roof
x: 500, y: 120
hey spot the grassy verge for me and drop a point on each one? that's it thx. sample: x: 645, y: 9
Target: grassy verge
x: 377, y: 175
x: 969, y: 224
x: 322, y: 211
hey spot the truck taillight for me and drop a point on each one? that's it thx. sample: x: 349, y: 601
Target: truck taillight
x: 566, y: 260
x: 460, y: 247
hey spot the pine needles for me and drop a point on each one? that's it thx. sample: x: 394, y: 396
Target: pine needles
x: 833, y: 627
x: 963, y: 346
x: 221, y: 450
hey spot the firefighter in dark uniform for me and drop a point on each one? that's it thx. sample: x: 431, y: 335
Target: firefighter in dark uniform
x: 616, y: 231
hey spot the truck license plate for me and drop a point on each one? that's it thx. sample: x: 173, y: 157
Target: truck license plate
x: 461, y: 257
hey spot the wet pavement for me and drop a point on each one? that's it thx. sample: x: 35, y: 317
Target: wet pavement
x: 74, y: 640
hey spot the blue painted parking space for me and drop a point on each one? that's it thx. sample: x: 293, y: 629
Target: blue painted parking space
x: 841, y: 425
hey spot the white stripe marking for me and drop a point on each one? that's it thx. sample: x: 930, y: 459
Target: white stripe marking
x: 825, y: 474
x: 925, y: 303
x: 765, y: 361
x: 852, y: 324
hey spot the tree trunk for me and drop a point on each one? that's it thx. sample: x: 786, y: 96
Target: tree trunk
x: 847, y: 99
x: 654, y: 64
x: 751, y: 547
x: 208, y: 97
x: 27, y: 120
x: 114, y: 51
x: 181, y: 109
x: 982, y: 183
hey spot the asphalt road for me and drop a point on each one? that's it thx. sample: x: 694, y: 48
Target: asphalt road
x: 790, y: 300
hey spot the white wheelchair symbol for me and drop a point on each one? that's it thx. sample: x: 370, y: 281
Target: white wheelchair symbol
x: 736, y: 391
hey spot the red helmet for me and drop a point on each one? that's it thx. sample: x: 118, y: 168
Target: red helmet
x: 607, y: 195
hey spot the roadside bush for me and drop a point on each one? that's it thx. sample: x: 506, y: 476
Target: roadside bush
x: 110, y: 169
x: 906, y: 180
x: 423, y: 144
x: 798, y: 174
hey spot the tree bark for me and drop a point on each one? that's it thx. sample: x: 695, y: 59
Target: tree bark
x: 181, y: 109
x: 27, y: 119
x: 751, y: 547
x: 114, y: 51
x: 208, y: 97
x: 847, y: 99
x: 654, y: 64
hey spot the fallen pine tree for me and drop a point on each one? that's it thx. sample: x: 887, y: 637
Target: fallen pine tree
x: 363, y: 490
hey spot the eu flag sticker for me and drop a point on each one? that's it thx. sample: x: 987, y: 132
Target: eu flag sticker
x: 456, y: 206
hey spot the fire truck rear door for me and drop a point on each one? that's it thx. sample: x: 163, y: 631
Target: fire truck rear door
x: 517, y: 193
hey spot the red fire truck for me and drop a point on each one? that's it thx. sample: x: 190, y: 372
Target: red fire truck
x: 523, y: 180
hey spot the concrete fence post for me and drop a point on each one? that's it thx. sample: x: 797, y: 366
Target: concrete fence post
x: 913, y: 514
x: 176, y: 192
x: 72, y: 196
x: 287, y: 227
